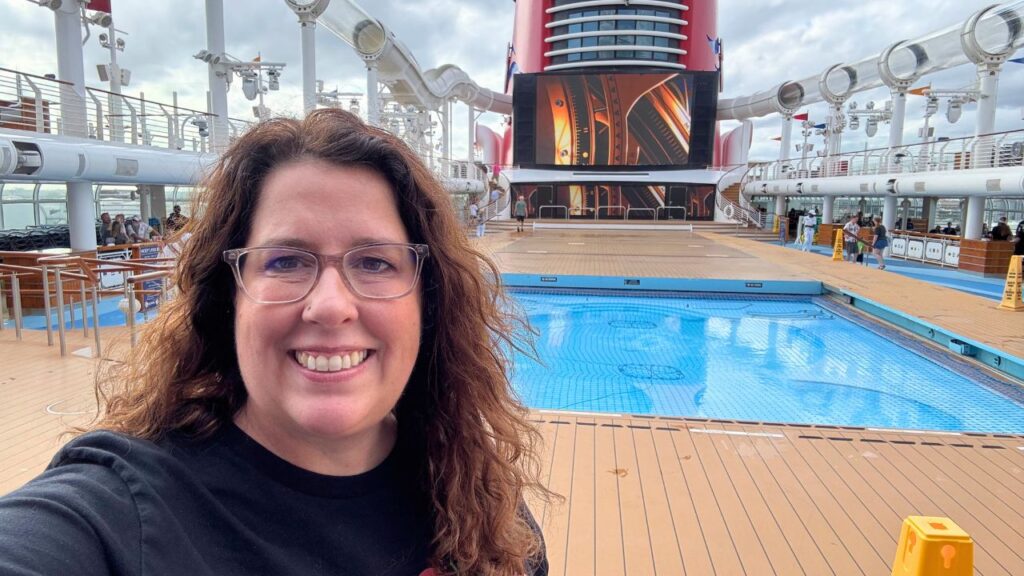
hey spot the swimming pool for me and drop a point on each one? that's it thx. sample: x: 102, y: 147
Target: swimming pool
x: 763, y: 359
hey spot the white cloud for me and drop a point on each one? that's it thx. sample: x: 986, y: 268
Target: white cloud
x: 765, y: 43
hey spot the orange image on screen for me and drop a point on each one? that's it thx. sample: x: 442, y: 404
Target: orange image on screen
x: 613, y: 119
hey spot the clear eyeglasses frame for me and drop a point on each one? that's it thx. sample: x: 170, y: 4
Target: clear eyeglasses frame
x: 285, y: 274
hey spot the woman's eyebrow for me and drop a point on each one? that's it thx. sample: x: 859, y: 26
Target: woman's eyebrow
x: 292, y: 242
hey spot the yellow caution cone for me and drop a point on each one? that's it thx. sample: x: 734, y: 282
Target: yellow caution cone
x: 837, y: 246
x: 1012, y: 290
x: 933, y: 546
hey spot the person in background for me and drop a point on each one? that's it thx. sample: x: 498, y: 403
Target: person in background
x: 949, y: 229
x: 327, y: 394
x: 810, y: 222
x: 910, y: 225
x: 118, y: 234
x: 105, y: 234
x: 176, y: 221
x: 520, y: 213
x: 879, y: 242
x: 1001, y: 231
x: 476, y: 217
x: 1018, y: 248
x: 851, y: 231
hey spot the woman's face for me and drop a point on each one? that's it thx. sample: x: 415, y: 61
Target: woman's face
x: 329, y: 210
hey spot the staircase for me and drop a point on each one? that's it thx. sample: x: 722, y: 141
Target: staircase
x: 732, y: 193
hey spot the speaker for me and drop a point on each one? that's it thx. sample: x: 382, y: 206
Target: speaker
x: 524, y: 120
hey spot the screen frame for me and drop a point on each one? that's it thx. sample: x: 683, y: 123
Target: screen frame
x: 703, y: 113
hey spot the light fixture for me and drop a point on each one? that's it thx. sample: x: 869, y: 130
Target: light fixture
x: 202, y: 126
x: 100, y: 19
x: 273, y: 79
x: 104, y: 39
x: 932, y: 106
x: 871, y: 127
x: 854, y: 122
x: 249, y: 86
x: 120, y: 44
x: 954, y: 109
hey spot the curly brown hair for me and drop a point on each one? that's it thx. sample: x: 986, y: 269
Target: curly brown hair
x: 458, y: 412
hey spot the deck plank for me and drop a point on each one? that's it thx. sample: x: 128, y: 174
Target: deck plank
x: 580, y: 554
x: 636, y: 531
x: 664, y: 537
x: 610, y: 557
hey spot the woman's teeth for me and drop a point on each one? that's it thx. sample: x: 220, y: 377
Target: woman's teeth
x: 333, y: 363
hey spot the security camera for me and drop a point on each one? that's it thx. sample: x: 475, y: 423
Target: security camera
x: 101, y: 19
x: 202, y: 126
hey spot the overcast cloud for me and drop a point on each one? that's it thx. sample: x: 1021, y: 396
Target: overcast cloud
x: 765, y: 42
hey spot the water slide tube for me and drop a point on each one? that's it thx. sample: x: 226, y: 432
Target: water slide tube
x: 398, y: 68
x: 988, y: 35
x: 994, y: 182
x: 35, y: 157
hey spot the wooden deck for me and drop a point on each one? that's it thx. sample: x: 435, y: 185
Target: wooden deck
x: 683, y: 496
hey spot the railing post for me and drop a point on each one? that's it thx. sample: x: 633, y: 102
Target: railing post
x: 96, y: 318
x: 81, y: 295
x: 3, y: 303
x: 16, y: 300
x: 46, y: 306
x: 60, y: 312
x: 129, y: 296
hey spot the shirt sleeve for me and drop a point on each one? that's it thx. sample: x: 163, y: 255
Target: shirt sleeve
x: 75, y: 519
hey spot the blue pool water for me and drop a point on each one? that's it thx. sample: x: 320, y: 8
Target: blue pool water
x: 761, y: 360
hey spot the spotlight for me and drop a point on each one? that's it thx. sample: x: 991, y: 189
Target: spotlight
x: 932, y: 106
x: 871, y: 127
x: 249, y: 87
x: 954, y: 109
x: 854, y: 122
x: 202, y: 126
x: 273, y: 79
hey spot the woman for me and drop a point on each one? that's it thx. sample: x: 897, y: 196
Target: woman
x: 879, y: 242
x: 117, y: 232
x: 326, y: 395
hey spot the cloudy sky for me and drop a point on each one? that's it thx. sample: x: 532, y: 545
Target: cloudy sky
x: 765, y: 42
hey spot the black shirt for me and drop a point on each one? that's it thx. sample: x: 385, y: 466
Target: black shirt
x: 112, y: 504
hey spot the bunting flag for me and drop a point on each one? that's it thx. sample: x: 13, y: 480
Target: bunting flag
x: 510, y: 66
x: 715, y: 44
x: 1017, y: 60
x: 100, y: 6
x: 258, y: 58
x: 920, y: 91
x: 801, y: 117
x: 779, y: 138
x: 820, y: 126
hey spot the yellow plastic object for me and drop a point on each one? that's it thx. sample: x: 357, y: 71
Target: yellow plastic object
x: 933, y: 546
x: 775, y: 225
x: 1012, y: 290
x: 837, y: 248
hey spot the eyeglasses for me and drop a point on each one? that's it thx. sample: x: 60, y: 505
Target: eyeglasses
x: 280, y: 275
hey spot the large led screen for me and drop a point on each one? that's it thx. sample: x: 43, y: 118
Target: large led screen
x: 615, y: 119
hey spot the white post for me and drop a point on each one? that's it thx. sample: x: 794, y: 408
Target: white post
x: 470, y: 133
x: 81, y: 216
x: 899, y: 113
x: 787, y: 136
x: 780, y: 205
x: 827, y: 204
x: 70, y: 68
x: 308, y: 64
x: 218, y: 79
x: 889, y: 212
x: 372, y: 99
x: 975, y: 217
x: 144, y: 203
x: 116, y: 121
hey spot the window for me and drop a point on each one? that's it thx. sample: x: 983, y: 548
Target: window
x: 18, y: 191
x: 53, y: 213
x: 16, y: 216
x: 53, y: 191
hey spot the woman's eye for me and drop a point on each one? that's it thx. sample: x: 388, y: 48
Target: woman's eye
x: 283, y: 263
x: 372, y: 265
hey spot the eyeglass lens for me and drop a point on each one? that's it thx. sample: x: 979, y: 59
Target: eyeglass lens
x: 286, y: 274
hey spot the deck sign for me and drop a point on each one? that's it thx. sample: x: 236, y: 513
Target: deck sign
x: 112, y: 280
x: 1012, y: 290
x: 150, y: 300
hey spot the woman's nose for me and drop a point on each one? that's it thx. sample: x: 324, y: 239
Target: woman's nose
x: 331, y: 302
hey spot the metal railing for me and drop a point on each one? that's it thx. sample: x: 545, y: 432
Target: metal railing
x: 643, y: 210
x: 540, y: 210
x: 86, y: 272
x: 999, y: 149
x: 49, y: 106
x: 668, y: 210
